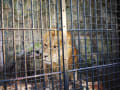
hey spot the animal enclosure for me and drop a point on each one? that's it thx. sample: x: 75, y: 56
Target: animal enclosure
x: 59, y: 45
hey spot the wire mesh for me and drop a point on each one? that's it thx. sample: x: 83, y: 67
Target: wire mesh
x: 59, y: 45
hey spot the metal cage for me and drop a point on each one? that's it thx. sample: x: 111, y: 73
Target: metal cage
x: 59, y: 45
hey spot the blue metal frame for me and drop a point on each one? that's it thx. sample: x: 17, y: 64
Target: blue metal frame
x: 99, y: 22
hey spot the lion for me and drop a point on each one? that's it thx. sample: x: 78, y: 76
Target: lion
x: 53, y: 53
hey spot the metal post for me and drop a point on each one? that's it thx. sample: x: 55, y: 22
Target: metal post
x: 64, y: 24
x: 1, y: 53
x: 33, y: 41
x: 3, y: 46
x: 25, y: 62
x: 14, y: 43
x: 64, y: 35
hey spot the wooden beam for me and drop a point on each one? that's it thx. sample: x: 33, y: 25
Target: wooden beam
x: 64, y: 32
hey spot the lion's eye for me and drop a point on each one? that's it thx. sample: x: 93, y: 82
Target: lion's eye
x: 55, y: 46
x: 45, y: 45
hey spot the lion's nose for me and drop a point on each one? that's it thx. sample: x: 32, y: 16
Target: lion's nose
x: 45, y: 56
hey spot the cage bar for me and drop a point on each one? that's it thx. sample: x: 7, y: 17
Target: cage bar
x: 59, y: 45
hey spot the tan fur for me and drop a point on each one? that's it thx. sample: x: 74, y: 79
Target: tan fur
x: 54, y: 52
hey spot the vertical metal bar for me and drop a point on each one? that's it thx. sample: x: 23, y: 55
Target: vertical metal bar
x: 116, y: 43
x: 41, y: 26
x: 97, y: 42
x: 106, y: 26
x: 57, y: 18
x: 113, y: 34
x: 117, y: 34
x: 33, y: 44
x: 112, y: 28
x: 72, y: 43
x: 38, y: 30
x: 19, y: 43
x: 64, y: 27
x: 46, y: 23
x: 64, y: 39
x: 3, y: 45
x: 91, y: 39
x: 102, y: 39
x: 37, y: 16
x: 113, y: 41
x: 49, y: 27
x: 79, y: 54
x: 1, y: 42
x: 1, y: 52
x: 49, y: 14
x: 53, y: 18
x: 18, y: 21
x: 116, y: 29
x: 25, y: 62
x: 84, y: 21
x: 14, y: 45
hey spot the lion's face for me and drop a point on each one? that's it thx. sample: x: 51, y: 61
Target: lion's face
x: 52, y: 52
x: 50, y: 47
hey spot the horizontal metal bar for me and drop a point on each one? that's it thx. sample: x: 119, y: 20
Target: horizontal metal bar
x: 53, y: 73
x: 93, y: 30
x: 25, y: 29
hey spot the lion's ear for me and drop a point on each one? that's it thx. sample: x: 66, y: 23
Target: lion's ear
x: 52, y: 33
